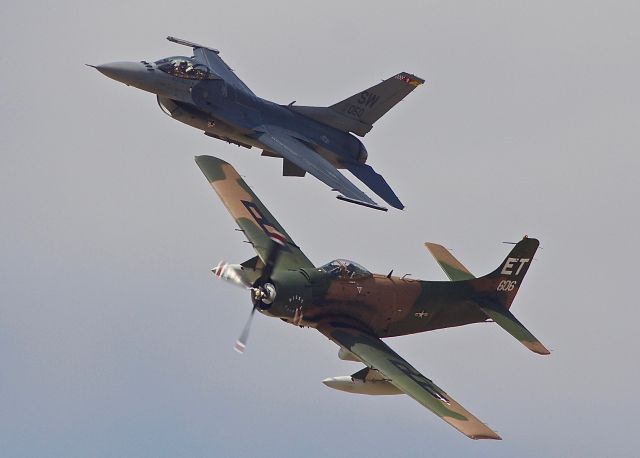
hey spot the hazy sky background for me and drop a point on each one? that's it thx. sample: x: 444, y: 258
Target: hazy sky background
x: 116, y: 340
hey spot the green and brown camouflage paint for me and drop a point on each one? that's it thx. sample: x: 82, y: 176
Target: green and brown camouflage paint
x: 356, y: 312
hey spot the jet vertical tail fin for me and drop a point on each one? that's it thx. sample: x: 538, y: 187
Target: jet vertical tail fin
x: 358, y: 113
x: 366, y: 107
x: 503, y: 283
x: 497, y: 290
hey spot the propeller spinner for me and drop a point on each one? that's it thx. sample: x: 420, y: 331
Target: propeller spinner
x: 263, y: 291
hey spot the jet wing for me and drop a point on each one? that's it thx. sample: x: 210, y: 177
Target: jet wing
x: 211, y: 58
x: 282, y: 143
x: 377, y: 355
x: 255, y: 221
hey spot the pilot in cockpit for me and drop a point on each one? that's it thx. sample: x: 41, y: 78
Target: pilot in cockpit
x: 181, y: 67
x: 342, y: 268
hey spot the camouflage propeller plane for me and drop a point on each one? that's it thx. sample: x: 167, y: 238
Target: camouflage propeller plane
x: 356, y: 309
x: 203, y: 92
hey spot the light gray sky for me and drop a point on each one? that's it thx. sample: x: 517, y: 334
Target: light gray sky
x: 115, y: 339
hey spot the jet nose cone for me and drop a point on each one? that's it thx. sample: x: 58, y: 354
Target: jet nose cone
x: 129, y: 73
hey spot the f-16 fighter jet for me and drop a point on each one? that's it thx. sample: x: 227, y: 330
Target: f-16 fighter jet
x: 356, y: 309
x: 203, y: 92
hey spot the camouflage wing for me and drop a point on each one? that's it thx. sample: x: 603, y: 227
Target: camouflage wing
x: 293, y: 150
x: 255, y: 221
x: 377, y: 355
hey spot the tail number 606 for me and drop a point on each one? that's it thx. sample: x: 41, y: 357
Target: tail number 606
x: 507, y: 285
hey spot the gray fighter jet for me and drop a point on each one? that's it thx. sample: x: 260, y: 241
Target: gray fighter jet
x: 203, y: 92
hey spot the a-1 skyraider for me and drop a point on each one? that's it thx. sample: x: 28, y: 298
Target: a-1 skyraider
x: 203, y: 92
x: 355, y: 308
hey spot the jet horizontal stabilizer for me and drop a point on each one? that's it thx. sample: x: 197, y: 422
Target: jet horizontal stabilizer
x: 512, y: 325
x: 376, y: 183
x: 454, y: 269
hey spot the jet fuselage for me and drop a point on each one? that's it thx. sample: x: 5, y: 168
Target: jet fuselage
x: 223, y: 111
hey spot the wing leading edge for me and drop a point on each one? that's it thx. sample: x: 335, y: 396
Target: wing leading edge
x: 253, y: 218
x: 280, y: 142
x: 376, y: 354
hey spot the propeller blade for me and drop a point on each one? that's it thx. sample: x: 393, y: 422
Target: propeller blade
x: 272, y: 258
x: 233, y: 273
x: 241, y: 343
x: 263, y: 293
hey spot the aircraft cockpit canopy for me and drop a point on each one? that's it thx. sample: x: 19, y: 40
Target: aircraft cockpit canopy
x: 184, y: 67
x: 345, y: 269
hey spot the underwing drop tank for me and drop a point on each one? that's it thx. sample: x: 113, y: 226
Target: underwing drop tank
x: 367, y: 381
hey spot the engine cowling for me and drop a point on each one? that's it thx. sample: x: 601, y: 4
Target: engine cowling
x: 283, y: 294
